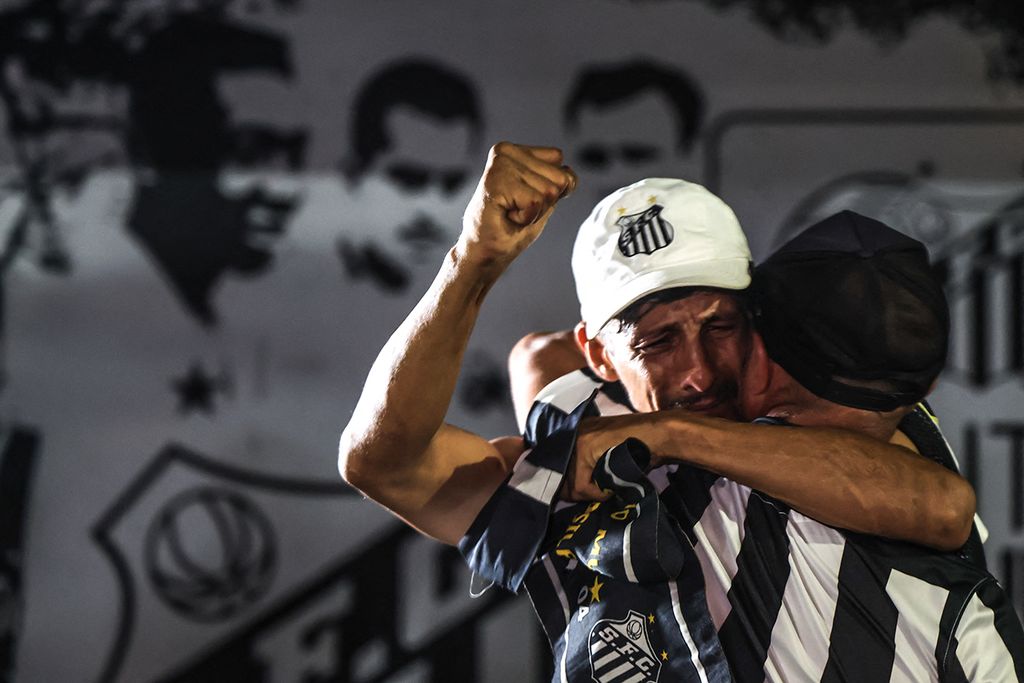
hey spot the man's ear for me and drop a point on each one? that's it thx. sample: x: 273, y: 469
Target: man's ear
x: 596, y: 354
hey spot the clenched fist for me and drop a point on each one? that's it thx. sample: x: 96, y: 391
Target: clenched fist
x: 516, y: 195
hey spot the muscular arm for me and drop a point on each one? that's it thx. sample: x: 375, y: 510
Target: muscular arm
x: 836, y: 476
x: 396, y: 448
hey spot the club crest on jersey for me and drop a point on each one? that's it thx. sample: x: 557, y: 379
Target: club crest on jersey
x: 644, y: 232
x: 621, y: 650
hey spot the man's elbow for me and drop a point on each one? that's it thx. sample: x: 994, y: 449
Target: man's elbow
x: 347, y: 460
x: 355, y: 463
x: 955, y: 520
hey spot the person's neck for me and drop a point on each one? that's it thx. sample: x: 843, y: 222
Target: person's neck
x: 787, y: 400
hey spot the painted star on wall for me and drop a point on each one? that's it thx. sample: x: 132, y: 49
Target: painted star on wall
x: 196, y: 389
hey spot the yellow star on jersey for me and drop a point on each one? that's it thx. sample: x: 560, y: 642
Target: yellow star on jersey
x: 650, y: 618
x: 664, y: 656
x: 621, y: 210
x: 651, y: 199
x: 595, y: 591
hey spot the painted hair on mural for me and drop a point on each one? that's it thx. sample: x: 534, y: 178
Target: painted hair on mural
x: 603, y: 85
x: 424, y: 85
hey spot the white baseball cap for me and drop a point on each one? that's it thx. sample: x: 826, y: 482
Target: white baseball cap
x: 655, y: 234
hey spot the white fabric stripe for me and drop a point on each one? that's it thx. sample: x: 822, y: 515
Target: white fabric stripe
x: 606, y: 406
x: 539, y: 483
x: 719, y: 538
x: 627, y: 557
x: 677, y: 611
x: 557, y: 585
x: 803, y: 627
x: 601, y: 661
x: 920, y: 607
x: 982, y: 653
x: 565, y: 393
x: 659, y: 476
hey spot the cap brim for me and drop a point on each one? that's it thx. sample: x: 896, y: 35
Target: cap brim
x: 733, y: 274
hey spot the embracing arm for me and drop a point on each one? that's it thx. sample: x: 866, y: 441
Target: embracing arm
x: 396, y: 448
x: 836, y: 476
x: 537, y: 360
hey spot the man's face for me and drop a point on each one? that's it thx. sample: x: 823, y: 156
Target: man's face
x: 617, y: 144
x: 687, y: 353
x: 417, y: 190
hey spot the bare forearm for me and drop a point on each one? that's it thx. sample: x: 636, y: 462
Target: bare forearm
x: 410, y: 385
x: 838, y: 477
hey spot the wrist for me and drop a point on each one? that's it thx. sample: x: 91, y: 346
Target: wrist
x: 468, y: 253
x: 670, y: 432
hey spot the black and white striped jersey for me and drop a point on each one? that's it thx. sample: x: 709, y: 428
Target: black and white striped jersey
x: 796, y: 600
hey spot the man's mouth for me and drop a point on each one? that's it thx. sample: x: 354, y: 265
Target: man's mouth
x: 701, y: 404
x: 372, y: 262
x: 715, y: 404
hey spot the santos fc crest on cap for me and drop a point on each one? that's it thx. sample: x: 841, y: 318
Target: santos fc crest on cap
x: 644, y: 232
x: 621, y: 651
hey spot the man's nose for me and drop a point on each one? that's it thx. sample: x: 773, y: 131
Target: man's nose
x: 695, y: 373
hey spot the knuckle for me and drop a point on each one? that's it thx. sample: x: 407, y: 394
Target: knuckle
x: 500, y: 148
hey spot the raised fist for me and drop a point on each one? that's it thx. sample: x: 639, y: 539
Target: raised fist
x: 516, y: 195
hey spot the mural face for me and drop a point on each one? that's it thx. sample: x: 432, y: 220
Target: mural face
x: 610, y: 145
x: 413, y: 194
x: 611, y: 150
x: 414, y: 128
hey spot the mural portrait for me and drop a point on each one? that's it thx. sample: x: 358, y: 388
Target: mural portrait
x: 602, y: 114
x: 415, y: 137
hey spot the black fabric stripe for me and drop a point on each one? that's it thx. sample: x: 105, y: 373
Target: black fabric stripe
x: 946, y: 642
x: 617, y: 393
x: 688, y: 496
x: 762, y: 570
x: 940, y: 569
x: 949, y: 667
x: 954, y: 672
x: 863, y: 637
x: 545, y: 602
x: 1007, y: 623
